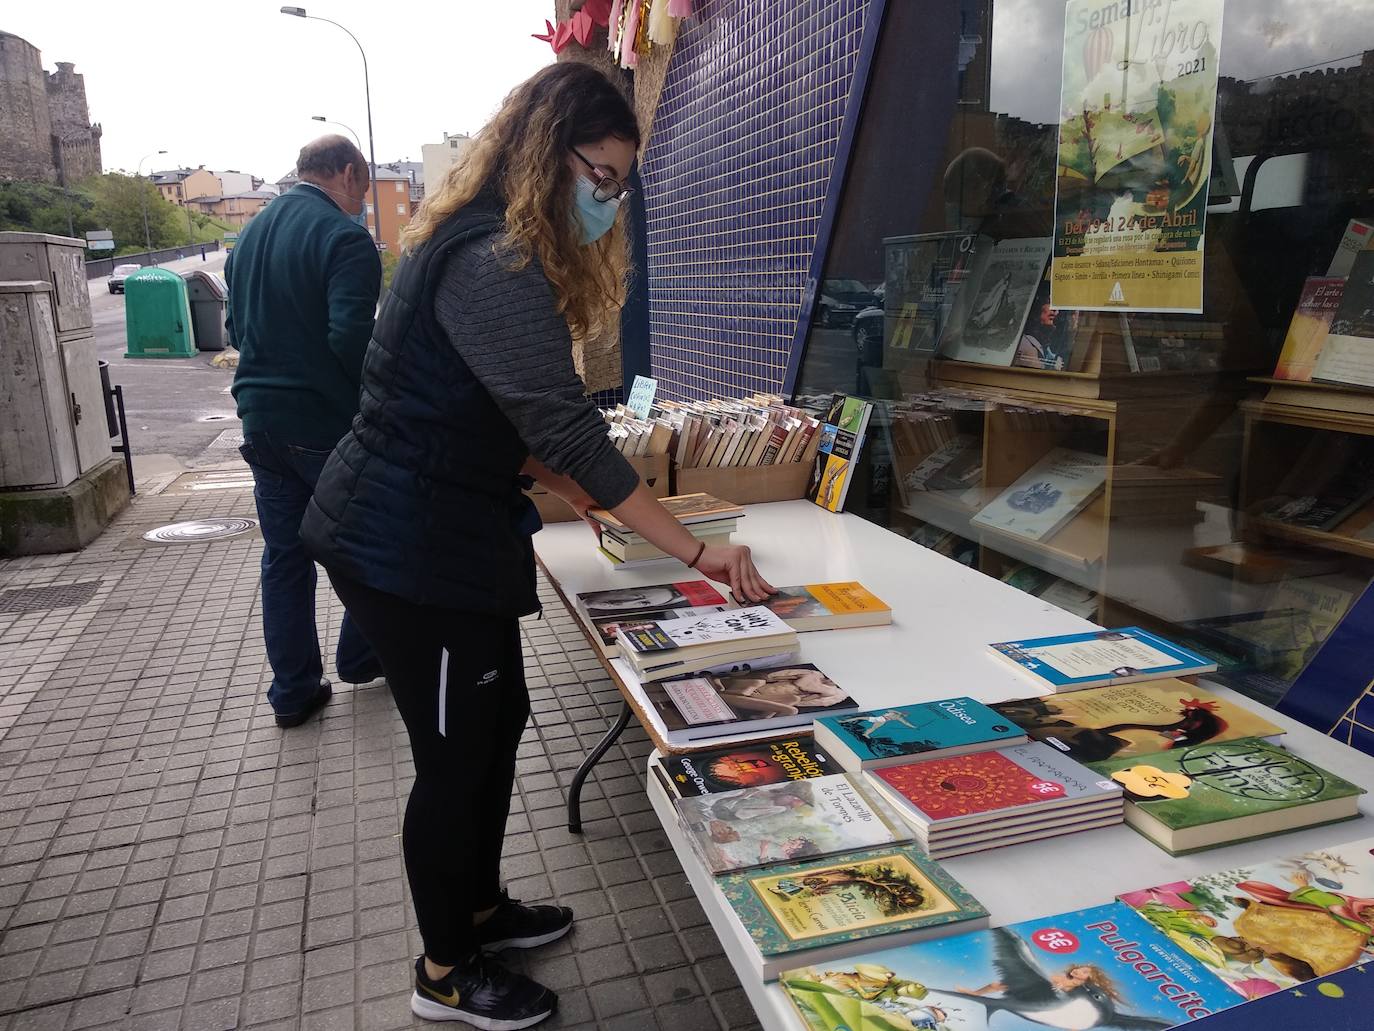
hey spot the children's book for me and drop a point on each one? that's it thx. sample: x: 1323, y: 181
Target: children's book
x: 1341, y: 1001
x: 711, y: 771
x: 886, y: 737
x: 1071, y: 662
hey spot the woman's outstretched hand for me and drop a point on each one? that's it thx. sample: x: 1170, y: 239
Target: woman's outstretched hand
x: 732, y: 564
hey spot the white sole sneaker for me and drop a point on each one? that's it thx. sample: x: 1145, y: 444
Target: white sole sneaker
x: 491, y: 948
x: 428, y: 1009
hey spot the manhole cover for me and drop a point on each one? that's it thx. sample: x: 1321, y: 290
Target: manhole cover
x: 40, y: 599
x: 215, y: 418
x: 194, y: 531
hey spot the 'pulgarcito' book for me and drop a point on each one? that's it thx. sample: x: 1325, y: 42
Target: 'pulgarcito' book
x: 1275, y: 924
x: 834, y: 606
x: 1104, y: 723
x: 715, y: 770
x: 1072, y: 662
x: 886, y: 737
x: 1222, y: 792
x: 825, y: 909
x: 1094, y: 968
x: 739, y: 830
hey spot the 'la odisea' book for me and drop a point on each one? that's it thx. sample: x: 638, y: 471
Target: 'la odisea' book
x: 1071, y: 662
x: 711, y: 771
x: 826, y: 909
x: 663, y: 648
x: 753, y: 827
x: 1094, y: 968
x: 842, y: 435
x: 1222, y: 792
x: 833, y: 606
x: 1047, y: 495
x: 886, y: 737
x: 1104, y: 723
x: 1273, y: 924
x: 1321, y: 296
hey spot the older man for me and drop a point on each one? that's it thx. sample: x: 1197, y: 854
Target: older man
x: 303, y: 286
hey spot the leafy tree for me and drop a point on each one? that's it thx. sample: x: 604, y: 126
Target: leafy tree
x: 120, y: 202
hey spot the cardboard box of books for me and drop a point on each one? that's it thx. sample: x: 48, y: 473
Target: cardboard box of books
x: 652, y: 469
x: 747, y: 485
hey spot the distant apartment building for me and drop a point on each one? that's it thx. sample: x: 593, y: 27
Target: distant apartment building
x: 233, y: 182
x: 438, y: 158
x: 179, y: 185
x: 394, y: 194
x: 234, y: 209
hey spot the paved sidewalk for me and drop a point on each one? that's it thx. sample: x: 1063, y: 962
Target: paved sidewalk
x: 169, y: 859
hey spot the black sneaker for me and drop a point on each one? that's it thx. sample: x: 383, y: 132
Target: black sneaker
x: 514, y: 926
x: 483, y: 994
x: 287, y: 720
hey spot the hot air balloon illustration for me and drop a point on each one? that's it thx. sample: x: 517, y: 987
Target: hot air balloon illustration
x: 1097, y: 50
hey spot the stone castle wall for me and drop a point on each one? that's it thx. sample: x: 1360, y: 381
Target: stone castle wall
x: 46, y: 133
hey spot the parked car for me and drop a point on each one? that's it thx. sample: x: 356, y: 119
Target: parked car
x: 840, y: 300
x: 121, y: 273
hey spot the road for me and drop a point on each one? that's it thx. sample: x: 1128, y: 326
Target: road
x: 175, y: 406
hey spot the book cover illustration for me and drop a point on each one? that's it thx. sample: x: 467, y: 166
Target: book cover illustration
x: 1132, y: 719
x: 822, y: 902
x: 713, y: 771
x: 759, y: 694
x: 1275, y: 924
x: 985, y: 323
x: 784, y: 822
x: 842, y: 435
x: 1003, y: 780
x: 1047, y: 341
x: 923, y: 275
x: 1338, y: 1002
x: 910, y: 730
x: 714, y: 628
x: 1321, y: 296
x: 624, y: 600
x: 1047, y: 495
x: 1093, y: 968
x: 1348, y: 355
x: 1222, y: 780
x: 1076, y: 660
x: 608, y: 627
x: 812, y: 601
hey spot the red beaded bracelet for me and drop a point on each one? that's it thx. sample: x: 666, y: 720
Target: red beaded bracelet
x: 700, y: 551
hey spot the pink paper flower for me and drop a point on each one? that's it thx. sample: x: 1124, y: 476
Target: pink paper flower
x: 1170, y: 895
x: 1255, y: 987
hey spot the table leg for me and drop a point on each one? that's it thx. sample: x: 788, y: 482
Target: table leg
x: 593, y: 757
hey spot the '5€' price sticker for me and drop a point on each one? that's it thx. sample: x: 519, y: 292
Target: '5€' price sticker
x: 1051, y: 939
x: 1046, y: 789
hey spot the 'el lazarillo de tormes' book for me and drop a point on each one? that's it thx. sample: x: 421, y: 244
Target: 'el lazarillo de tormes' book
x: 750, y: 765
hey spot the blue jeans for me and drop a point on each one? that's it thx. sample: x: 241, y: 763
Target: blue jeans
x: 284, y: 476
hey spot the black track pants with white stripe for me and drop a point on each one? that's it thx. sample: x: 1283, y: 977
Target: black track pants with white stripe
x: 459, y: 682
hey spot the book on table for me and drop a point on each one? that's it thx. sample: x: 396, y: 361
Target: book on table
x: 733, y: 767
x: 888, y: 737
x: 833, y: 606
x: 801, y: 819
x: 1103, y: 967
x: 1047, y: 495
x: 1338, y: 1002
x: 663, y: 648
x: 1102, y: 723
x: 705, y: 517
x: 822, y: 910
x: 770, y: 698
x: 1222, y: 792
x: 605, y: 611
x: 642, y: 551
x: 687, y: 509
x: 1071, y: 662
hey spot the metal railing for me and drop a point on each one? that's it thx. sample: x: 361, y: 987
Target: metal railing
x: 101, y: 267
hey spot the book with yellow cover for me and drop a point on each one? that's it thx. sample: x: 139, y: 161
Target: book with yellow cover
x: 831, y: 606
x: 1321, y: 296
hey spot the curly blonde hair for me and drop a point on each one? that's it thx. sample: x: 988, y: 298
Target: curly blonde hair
x: 522, y: 154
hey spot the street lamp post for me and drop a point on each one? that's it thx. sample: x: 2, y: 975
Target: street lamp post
x: 299, y: 12
x: 330, y: 121
x: 147, y: 236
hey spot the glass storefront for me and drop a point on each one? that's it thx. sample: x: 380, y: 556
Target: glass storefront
x: 1105, y: 266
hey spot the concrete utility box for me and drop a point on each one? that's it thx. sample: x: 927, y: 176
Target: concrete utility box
x: 209, y: 296
x: 59, y: 260
x: 157, y: 315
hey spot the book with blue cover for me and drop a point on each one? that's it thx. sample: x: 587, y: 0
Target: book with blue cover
x: 1103, y: 967
x: 1338, y: 1002
x: 885, y: 737
x: 1071, y: 662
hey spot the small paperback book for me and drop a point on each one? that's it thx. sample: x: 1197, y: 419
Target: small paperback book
x: 776, y: 698
x: 754, y: 765
x: 1348, y: 354
x: 821, y: 910
x: 662, y: 648
x: 1071, y: 662
x: 685, y: 508
x: 1321, y: 296
x: 605, y: 611
x: 802, y: 819
x: 887, y: 737
x: 828, y: 607
x: 842, y: 436
x: 1047, y: 495
x: 1103, y: 723
x: 1274, y: 924
x: 1222, y: 792
x: 1094, y: 968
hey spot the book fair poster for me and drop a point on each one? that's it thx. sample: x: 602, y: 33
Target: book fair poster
x: 1137, y: 109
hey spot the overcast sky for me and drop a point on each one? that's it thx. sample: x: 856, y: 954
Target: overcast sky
x: 232, y: 85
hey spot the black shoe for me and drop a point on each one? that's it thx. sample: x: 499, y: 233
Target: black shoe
x: 483, y: 994
x: 287, y: 720
x: 514, y: 926
x: 364, y: 674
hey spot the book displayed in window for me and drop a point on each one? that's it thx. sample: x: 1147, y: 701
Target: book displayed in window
x: 1321, y: 296
x: 833, y: 606
x: 1222, y: 792
x: 842, y: 435
x: 924, y: 274
x: 1057, y: 972
x: 823, y: 910
x: 1358, y: 236
x: 887, y: 737
x: 802, y: 819
x: 1332, y: 479
x: 1048, y: 338
x: 1047, y: 495
x: 989, y: 313
x: 1071, y: 662
x: 774, y: 698
x: 1103, y: 723
x: 663, y: 648
x: 1348, y: 354
x: 735, y: 767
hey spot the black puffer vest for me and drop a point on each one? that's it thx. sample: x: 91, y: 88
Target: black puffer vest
x: 422, y: 497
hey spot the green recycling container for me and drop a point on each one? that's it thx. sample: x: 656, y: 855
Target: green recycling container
x: 157, y: 316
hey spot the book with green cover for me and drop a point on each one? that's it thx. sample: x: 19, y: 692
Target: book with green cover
x: 1222, y: 792
x: 820, y: 910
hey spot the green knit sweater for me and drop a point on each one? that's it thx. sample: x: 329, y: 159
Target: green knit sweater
x: 303, y: 286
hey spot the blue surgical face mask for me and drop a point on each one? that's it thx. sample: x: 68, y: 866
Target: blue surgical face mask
x: 360, y: 218
x: 594, y: 217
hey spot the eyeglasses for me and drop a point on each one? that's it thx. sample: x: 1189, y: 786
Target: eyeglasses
x: 607, y: 189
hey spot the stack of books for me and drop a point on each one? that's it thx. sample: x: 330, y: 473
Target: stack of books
x: 662, y: 648
x: 927, y: 730
x: 1005, y: 796
x: 1072, y: 662
x: 706, y: 518
x: 605, y: 612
